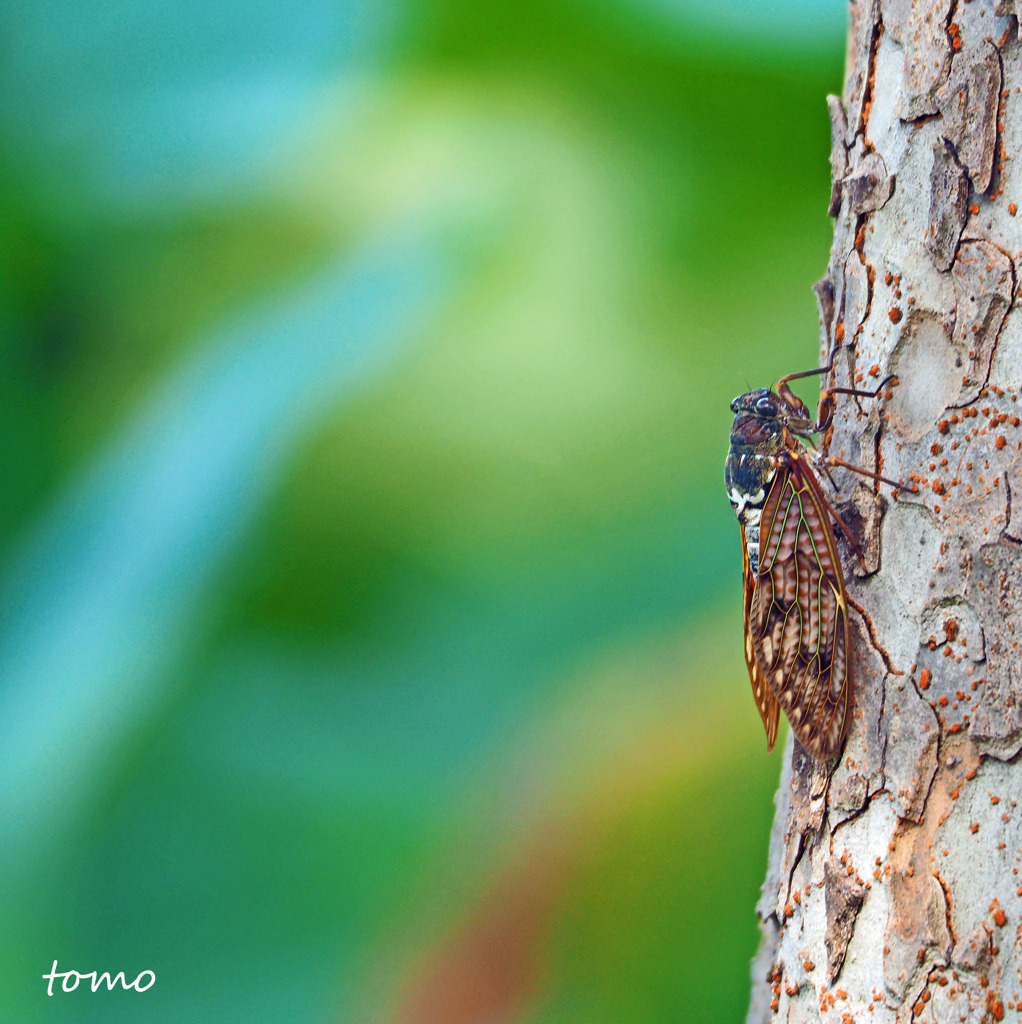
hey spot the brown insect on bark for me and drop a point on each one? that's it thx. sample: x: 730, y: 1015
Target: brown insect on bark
x: 796, y: 609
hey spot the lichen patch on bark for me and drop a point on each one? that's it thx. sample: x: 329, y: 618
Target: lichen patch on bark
x: 984, y: 282
x: 920, y: 28
x: 926, y: 365
x: 968, y: 103
x: 949, y: 198
x: 920, y: 929
x: 844, y: 893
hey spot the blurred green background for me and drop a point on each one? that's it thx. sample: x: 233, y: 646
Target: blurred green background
x: 370, y: 626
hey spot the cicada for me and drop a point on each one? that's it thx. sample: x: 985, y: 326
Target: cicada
x: 797, y: 640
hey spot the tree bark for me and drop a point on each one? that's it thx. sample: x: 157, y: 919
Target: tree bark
x: 893, y: 891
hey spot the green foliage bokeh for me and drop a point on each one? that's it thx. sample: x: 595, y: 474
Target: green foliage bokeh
x: 370, y: 631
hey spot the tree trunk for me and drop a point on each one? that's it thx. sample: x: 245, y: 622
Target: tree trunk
x: 893, y: 891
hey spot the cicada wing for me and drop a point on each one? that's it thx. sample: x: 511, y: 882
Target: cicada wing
x: 766, y: 703
x: 799, y: 610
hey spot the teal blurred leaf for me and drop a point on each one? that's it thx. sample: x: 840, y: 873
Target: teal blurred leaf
x: 98, y: 598
x: 145, y: 102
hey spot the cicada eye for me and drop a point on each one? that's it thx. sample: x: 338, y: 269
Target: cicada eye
x: 766, y: 406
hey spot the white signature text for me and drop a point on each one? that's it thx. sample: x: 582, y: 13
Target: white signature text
x: 144, y: 981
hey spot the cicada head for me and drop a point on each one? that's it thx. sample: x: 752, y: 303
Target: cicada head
x: 782, y: 407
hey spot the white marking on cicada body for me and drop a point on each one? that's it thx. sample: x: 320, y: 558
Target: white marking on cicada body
x: 739, y: 500
x: 753, y: 516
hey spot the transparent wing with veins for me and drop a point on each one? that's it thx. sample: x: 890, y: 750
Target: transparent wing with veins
x: 797, y: 612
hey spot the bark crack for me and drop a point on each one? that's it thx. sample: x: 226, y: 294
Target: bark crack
x: 871, y: 66
x: 1006, y: 537
x: 946, y: 889
x: 874, y: 639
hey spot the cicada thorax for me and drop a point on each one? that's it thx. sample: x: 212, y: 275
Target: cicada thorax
x: 796, y: 624
x: 753, y: 460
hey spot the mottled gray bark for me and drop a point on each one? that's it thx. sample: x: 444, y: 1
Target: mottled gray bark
x: 893, y: 891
